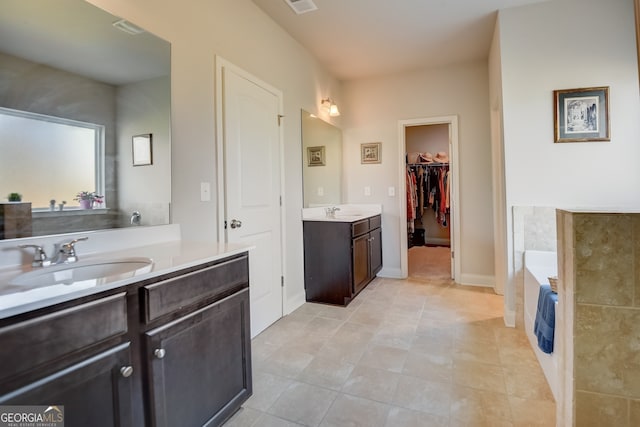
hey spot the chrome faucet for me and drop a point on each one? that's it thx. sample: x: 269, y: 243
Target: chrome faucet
x: 135, y: 218
x: 40, y: 258
x: 331, y: 212
x: 66, y: 252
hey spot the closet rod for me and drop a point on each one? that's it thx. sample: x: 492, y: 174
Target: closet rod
x: 428, y: 164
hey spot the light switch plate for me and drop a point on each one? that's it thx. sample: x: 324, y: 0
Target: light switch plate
x: 320, y: 191
x: 205, y: 191
x: 392, y: 191
x: 367, y: 191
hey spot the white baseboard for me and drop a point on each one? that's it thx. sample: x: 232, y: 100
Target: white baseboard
x: 391, y: 273
x: 293, y: 303
x: 477, y: 280
x: 510, y: 318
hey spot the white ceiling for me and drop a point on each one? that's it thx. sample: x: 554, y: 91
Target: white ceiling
x: 363, y: 38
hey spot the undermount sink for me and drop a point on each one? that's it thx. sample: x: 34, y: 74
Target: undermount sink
x: 94, y: 272
x: 348, y: 217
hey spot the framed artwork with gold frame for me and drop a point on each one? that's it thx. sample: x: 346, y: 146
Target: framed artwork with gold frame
x: 581, y: 115
x: 370, y: 152
x: 316, y: 156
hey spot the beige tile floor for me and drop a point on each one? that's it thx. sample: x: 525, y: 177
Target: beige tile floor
x: 415, y: 352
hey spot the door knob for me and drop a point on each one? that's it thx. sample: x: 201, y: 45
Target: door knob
x: 126, y: 371
x: 159, y: 353
x: 236, y: 223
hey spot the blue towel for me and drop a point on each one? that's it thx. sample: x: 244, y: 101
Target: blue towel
x: 545, y: 323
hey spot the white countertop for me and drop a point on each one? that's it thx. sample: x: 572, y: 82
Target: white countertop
x: 167, y: 257
x: 346, y: 213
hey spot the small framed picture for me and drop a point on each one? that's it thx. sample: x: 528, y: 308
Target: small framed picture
x: 581, y: 115
x: 315, y: 156
x: 370, y: 152
x: 142, y: 151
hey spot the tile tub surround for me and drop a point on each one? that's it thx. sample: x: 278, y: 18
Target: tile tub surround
x: 600, y: 283
x: 413, y: 352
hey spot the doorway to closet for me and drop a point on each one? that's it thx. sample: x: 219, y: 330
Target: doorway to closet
x: 428, y: 201
x: 430, y: 230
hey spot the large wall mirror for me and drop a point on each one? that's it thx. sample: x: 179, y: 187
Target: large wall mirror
x: 322, y: 162
x: 77, y: 87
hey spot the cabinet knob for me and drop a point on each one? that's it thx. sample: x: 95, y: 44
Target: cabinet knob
x: 126, y: 371
x: 236, y: 223
x: 159, y: 353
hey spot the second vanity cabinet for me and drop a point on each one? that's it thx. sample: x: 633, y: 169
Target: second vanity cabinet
x: 340, y: 258
x: 167, y: 351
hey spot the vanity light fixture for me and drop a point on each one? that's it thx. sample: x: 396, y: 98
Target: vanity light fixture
x: 331, y: 107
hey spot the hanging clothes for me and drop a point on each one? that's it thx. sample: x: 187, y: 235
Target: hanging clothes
x: 427, y: 187
x: 411, y: 199
x: 419, y: 192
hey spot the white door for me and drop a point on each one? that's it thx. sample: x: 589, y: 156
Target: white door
x: 251, y: 140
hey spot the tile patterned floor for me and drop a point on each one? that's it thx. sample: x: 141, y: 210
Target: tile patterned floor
x: 416, y: 352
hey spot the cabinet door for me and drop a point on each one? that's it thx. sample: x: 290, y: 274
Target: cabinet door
x: 360, y: 262
x: 199, y: 366
x: 96, y: 392
x: 375, y: 248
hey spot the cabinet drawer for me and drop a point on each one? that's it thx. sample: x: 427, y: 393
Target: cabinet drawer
x: 375, y: 222
x: 169, y: 296
x: 360, y: 227
x: 43, y: 339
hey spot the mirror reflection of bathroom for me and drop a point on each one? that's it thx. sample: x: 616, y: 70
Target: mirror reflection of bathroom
x: 429, y: 204
x: 321, y: 162
x: 68, y: 113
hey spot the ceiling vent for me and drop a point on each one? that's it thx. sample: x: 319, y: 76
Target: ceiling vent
x: 128, y: 27
x: 301, y: 6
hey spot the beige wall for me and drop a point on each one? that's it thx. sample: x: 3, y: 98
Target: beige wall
x: 533, y: 64
x: 238, y: 31
x: 372, y: 112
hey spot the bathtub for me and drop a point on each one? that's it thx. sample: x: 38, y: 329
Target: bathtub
x: 538, y: 265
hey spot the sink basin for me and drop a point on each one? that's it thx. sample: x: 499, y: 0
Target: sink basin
x: 348, y: 217
x: 96, y: 272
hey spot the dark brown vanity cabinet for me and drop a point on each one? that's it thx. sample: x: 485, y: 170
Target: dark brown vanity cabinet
x: 77, y: 356
x: 173, y: 350
x: 199, y: 371
x: 340, y: 258
x: 96, y: 391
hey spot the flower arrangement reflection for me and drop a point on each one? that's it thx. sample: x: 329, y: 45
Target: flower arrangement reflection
x: 88, y: 199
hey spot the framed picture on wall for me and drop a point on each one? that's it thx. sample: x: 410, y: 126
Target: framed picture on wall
x: 581, y: 115
x: 142, y: 152
x: 315, y: 156
x: 370, y: 152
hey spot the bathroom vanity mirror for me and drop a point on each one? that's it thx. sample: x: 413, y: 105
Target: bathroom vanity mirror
x: 321, y: 162
x: 76, y: 85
